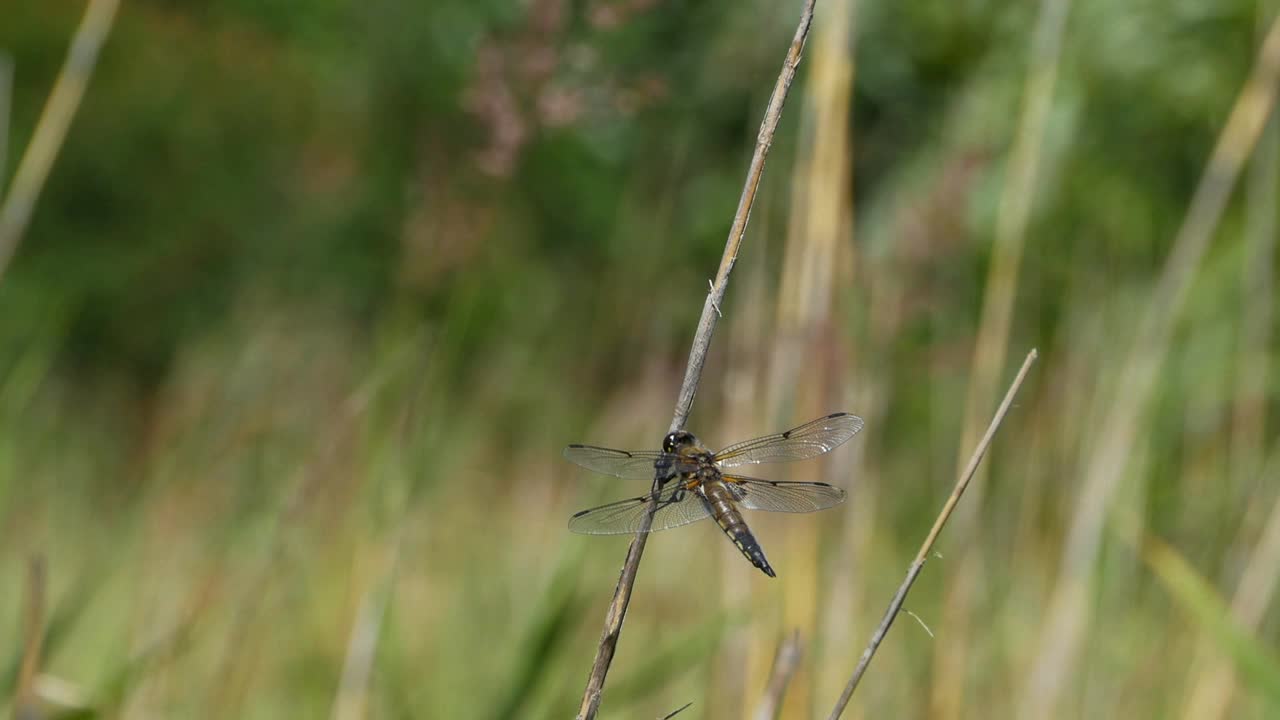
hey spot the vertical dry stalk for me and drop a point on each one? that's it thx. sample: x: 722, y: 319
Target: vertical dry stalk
x: 819, y: 225
x: 1248, y: 426
x: 785, y: 663
x: 1068, y: 614
x: 697, y: 358
x: 1211, y: 694
x: 26, y: 704
x: 357, y: 667
x: 51, y: 129
x: 1016, y: 199
x: 923, y: 555
x: 6, y: 111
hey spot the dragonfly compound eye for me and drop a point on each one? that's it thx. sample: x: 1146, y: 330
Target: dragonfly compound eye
x: 669, y: 442
x: 678, y: 439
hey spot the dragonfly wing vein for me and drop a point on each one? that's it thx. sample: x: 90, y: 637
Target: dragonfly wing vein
x: 676, y: 507
x: 790, y: 497
x: 809, y: 440
x: 633, y: 464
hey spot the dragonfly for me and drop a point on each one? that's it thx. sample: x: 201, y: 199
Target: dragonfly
x: 692, y: 483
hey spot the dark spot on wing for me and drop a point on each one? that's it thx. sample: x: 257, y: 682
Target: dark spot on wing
x: 624, y: 453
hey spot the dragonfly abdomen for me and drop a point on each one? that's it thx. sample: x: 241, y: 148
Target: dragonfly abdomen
x: 723, y: 509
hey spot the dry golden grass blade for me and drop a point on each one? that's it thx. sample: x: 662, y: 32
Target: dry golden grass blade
x: 1016, y: 199
x: 357, y: 667
x: 26, y: 703
x: 1214, y: 677
x: 1198, y: 598
x: 785, y: 662
x: 819, y: 222
x: 1248, y: 422
x: 52, y: 127
x: 1068, y: 615
x: 6, y: 111
x: 917, y: 565
x: 1210, y: 696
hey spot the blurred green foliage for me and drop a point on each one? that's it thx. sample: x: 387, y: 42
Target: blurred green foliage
x: 316, y: 292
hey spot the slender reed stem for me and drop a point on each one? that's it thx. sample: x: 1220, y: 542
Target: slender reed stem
x: 6, y: 110
x: 51, y: 130
x: 697, y: 358
x: 918, y: 564
x: 25, y: 703
x: 785, y: 663
x: 677, y: 711
x: 1069, y: 612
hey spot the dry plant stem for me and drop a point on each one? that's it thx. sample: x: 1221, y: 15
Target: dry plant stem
x: 51, y: 130
x: 357, y: 669
x: 697, y: 358
x: 1017, y: 196
x: 677, y: 711
x: 1210, y: 697
x: 6, y: 107
x: 785, y: 663
x: 1069, y: 607
x: 918, y: 564
x: 24, y: 705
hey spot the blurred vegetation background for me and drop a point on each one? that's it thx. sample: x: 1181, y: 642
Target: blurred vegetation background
x: 316, y: 292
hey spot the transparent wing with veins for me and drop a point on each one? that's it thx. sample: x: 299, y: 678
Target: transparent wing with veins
x: 634, y: 464
x: 779, y: 496
x: 676, y: 506
x: 806, y: 441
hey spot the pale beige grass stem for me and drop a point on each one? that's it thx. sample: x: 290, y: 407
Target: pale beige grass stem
x: 6, y: 114
x: 820, y: 221
x: 26, y: 701
x: 351, y: 702
x: 1214, y: 677
x: 1248, y: 421
x: 1210, y: 696
x: 785, y: 663
x: 1067, y: 619
x: 1017, y: 197
x: 51, y: 129
x: 922, y: 556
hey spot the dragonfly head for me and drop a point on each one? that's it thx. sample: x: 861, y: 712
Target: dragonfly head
x: 679, y: 440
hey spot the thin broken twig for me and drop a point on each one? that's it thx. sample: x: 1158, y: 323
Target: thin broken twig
x: 918, y: 564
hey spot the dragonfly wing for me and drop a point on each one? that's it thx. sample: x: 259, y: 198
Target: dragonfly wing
x: 809, y: 440
x: 635, y: 464
x: 676, y: 507
x: 777, y: 496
